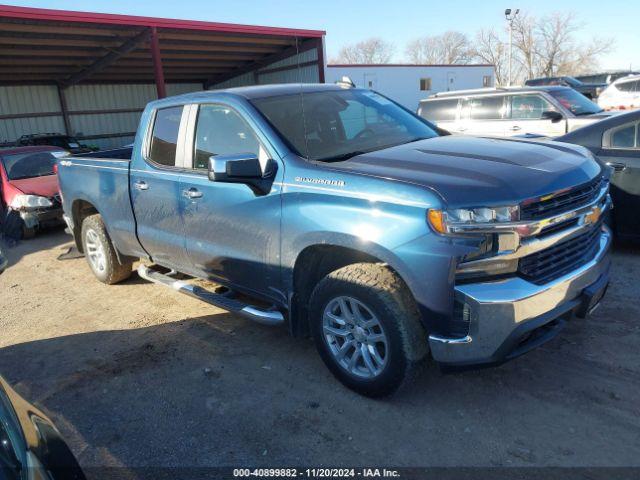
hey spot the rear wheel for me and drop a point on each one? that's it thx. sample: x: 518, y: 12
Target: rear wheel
x: 367, y: 328
x: 100, y: 253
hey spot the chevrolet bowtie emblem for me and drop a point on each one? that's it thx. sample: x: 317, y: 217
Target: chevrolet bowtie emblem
x: 593, y: 216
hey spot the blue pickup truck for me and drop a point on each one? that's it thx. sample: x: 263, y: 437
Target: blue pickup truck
x: 342, y: 215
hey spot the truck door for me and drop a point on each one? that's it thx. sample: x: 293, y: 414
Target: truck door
x: 155, y: 188
x: 232, y: 230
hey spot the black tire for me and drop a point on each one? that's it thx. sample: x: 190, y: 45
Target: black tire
x: 28, y: 233
x: 114, y: 271
x: 389, y: 299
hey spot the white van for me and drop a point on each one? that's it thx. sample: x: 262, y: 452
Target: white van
x: 623, y: 94
x: 504, y: 112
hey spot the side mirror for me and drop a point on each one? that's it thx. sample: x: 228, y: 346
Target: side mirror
x: 552, y: 115
x: 242, y: 168
x: 237, y: 168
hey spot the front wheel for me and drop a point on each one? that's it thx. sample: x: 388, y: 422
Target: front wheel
x: 367, y: 328
x: 28, y: 233
x: 101, y: 254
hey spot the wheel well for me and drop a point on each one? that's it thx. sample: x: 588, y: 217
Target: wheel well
x: 80, y: 210
x: 313, y: 264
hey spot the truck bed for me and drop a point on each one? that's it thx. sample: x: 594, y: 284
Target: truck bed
x: 122, y: 153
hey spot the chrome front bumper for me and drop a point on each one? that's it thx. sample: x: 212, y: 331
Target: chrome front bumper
x: 504, y: 311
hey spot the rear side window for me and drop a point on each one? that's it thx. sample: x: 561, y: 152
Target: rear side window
x: 629, y: 86
x: 483, y: 108
x: 440, y: 110
x: 164, y: 139
x: 625, y: 137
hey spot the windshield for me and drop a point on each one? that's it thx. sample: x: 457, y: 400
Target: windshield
x: 339, y: 124
x: 575, y: 102
x: 29, y: 165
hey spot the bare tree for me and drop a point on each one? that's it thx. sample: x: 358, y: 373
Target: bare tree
x: 449, y: 48
x: 372, y: 50
x: 526, y: 43
x: 490, y: 49
x: 548, y: 46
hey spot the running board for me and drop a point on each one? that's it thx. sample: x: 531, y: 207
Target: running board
x: 266, y: 317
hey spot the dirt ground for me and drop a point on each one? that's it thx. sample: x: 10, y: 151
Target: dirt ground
x: 136, y: 375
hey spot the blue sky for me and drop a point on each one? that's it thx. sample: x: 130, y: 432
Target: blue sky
x: 347, y: 21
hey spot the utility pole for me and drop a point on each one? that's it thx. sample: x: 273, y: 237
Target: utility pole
x: 510, y: 16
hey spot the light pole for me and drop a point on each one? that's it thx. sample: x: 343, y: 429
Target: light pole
x: 510, y: 16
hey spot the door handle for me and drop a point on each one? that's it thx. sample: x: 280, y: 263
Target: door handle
x: 515, y: 128
x: 617, y: 167
x: 192, y: 193
x: 141, y: 185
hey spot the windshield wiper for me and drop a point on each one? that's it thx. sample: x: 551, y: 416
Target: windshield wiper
x: 580, y: 114
x: 343, y: 156
x: 417, y: 139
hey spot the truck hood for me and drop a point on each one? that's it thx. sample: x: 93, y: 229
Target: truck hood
x: 468, y: 171
x: 46, y: 186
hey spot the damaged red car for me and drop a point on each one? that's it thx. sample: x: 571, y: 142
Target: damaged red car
x: 29, y: 192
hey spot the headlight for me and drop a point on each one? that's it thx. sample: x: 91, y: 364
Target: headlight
x: 455, y: 220
x: 30, y: 201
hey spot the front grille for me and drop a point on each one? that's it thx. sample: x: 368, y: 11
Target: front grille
x: 563, y: 202
x: 547, y: 265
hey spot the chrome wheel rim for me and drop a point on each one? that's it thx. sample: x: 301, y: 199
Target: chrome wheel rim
x: 355, y: 337
x: 95, y: 251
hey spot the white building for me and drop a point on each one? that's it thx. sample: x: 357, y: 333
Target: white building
x: 408, y: 84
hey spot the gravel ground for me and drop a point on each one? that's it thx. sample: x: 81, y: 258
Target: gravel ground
x: 135, y: 375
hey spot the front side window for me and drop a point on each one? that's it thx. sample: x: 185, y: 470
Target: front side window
x: 221, y: 131
x: 334, y: 125
x: 575, y: 102
x: 484, y: 108
x: 164, y: 138
x: 487, y: 81
x: 628, y: 86
x: 529, y: 107
x: 625, y: 137
x: 12, y: 449
x: 9, y: 463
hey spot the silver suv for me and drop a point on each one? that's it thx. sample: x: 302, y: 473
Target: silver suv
x: 504, y: 112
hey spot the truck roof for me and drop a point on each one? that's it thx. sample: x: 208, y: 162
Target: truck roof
x: 257, y: 91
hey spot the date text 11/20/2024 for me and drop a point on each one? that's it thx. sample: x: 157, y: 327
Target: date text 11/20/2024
x: 316, y: 473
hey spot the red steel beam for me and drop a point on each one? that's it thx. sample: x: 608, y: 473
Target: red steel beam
x: 157, y: 64
x: 320, y: 50
x: 28, y: 13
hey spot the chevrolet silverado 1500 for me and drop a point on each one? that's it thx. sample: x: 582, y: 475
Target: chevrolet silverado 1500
x: 341, y: 214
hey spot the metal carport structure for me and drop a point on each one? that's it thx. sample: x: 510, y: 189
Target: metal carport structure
x: 67, y: 49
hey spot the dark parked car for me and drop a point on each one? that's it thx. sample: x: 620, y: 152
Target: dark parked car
x: 30, y: 445
x: 70, y: 144
x: 589, y: 90
x: 616, y: 141
x: 605, y: 77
